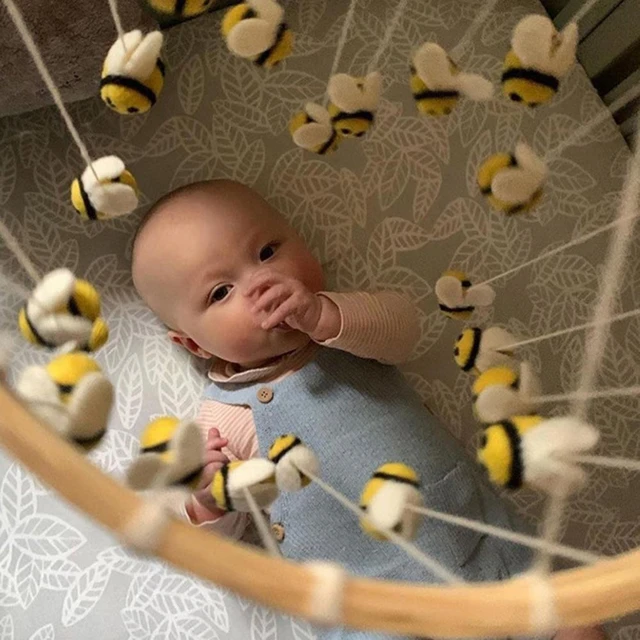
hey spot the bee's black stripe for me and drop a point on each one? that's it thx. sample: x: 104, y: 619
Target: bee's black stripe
x: 389, y: 476
x: 485, y: 191
x: 443, y: 307
x: 92, y: 214
x: 36, y: 334
x: 130, y: 83
x: 515, y: 476
x: 225, y: 488
x: 343, y: 115
x: 84, y: 442
x: 179, y: 7
x: 516, y: 383
x: 65, y: 388
x: 161, y: 67
x: 156, y: 448
x: 432, y: 93
x: 327, y: 145
x: 190, y: 477
x: 533, y: 76
x: 475, y: 348
x: 465, y: 283
x: 72, y: 307
x: 264, y: 56
x: 294, y: 443
x: 512, y: 160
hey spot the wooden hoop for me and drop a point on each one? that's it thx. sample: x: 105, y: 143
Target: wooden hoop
x: 583, y: 596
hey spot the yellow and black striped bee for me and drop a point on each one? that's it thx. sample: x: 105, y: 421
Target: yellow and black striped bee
x: 171, y: 455
x: 70, y: 394
x: 437, y: 84
x: 290, y: 454
x: 513, y: 183
x: 505, y: 391
x: 539, y: 58
x: 392, y: 488
x: 354, y: 102
x: 133, y: 74
x: 255, y: 476
x: 312, y: 130
x: 458, y: 298
x: 256, y: 30
x: 531, y: 450
x: 104, y: 190
x: 180, y: 8
x: 477, y: 349
x: 63, y: 309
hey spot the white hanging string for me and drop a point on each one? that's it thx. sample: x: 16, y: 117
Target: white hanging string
x: 609, y: 461
x: 590, y: 395
x: 261, y: 524
x: 14, y: 246
x: 579, y: 327
x: 397, y: 14
x: 32, y: 48
x: 564, y: 551
x: 597, y: 337
x: 113, y: 5
x: 478, y: 21
x: 605, y: 114
x: 582, y: 11
x: 410, y: 549
x: 553, y: 252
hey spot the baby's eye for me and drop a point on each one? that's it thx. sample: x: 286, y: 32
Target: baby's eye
x: 220, y: 293
x: 268, y: 251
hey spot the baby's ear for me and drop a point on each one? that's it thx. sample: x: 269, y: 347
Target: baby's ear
x: 190, y: 345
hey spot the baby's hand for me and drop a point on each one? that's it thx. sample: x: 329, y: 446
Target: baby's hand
x: 283, y: 300
x: 214, y: 460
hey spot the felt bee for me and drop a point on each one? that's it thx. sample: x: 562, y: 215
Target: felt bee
x: 71, y: 395
x: 256, y: 30
x: 62, y: 310
x: 539, y: 58
x: 513, y: 183
x: 458, y: 298
x: 505, y: 391
x: 437, y: 84
x: 312, y: 130
x: 133, y: 73
x: 385, y: 498
x: 354, y: 102
x: 180, y: 8
x: 105, y: 190
x: 533, y: 451
x: 171, y: 455
x: 287, y: 452
x: 478, y: 349
x: 256, y: 476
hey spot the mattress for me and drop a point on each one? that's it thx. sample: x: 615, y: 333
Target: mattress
x: 391, y: 211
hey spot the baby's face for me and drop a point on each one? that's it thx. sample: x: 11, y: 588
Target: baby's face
x: 194, y: 263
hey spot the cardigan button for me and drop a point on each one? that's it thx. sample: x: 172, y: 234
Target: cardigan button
x: 265, y: 395
x: 278, y: 531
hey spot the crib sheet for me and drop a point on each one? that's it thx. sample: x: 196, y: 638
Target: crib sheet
x: 393, y: 211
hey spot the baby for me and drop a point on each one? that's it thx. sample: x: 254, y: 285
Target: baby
x: 236, y: 284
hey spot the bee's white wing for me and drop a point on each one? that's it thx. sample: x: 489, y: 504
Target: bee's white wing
x: 498, y: 403
x: 106, y: 168
x: 387, y: 507
x: 312, y: 135
x: 564, y: 56
x: 90, y: 406
x: 432, y: 66
x: 318, y: 113
x: 54, y: 290
x: 344, y: 92
x: 474, y: 86
x: 372, y: 90
x: 118, y: 55
x: 143, y: 58
x: 515, y: 184
x: 528, y: 160
x: 188, y: 446
x: 113, y: 198
x: 268, y: 10
x: 481, y: 296
x: 34, y: 383
x: 532, y: 41
x: 60, y: 328
x: 449, y: 291
x: 250, y: 37
x: 145, y: 472
x: 530, y: 386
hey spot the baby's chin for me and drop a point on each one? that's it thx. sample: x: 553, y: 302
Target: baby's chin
x: 276, y: 343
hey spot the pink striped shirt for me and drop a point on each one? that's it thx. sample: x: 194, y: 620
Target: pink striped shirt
x: 381, y: 326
